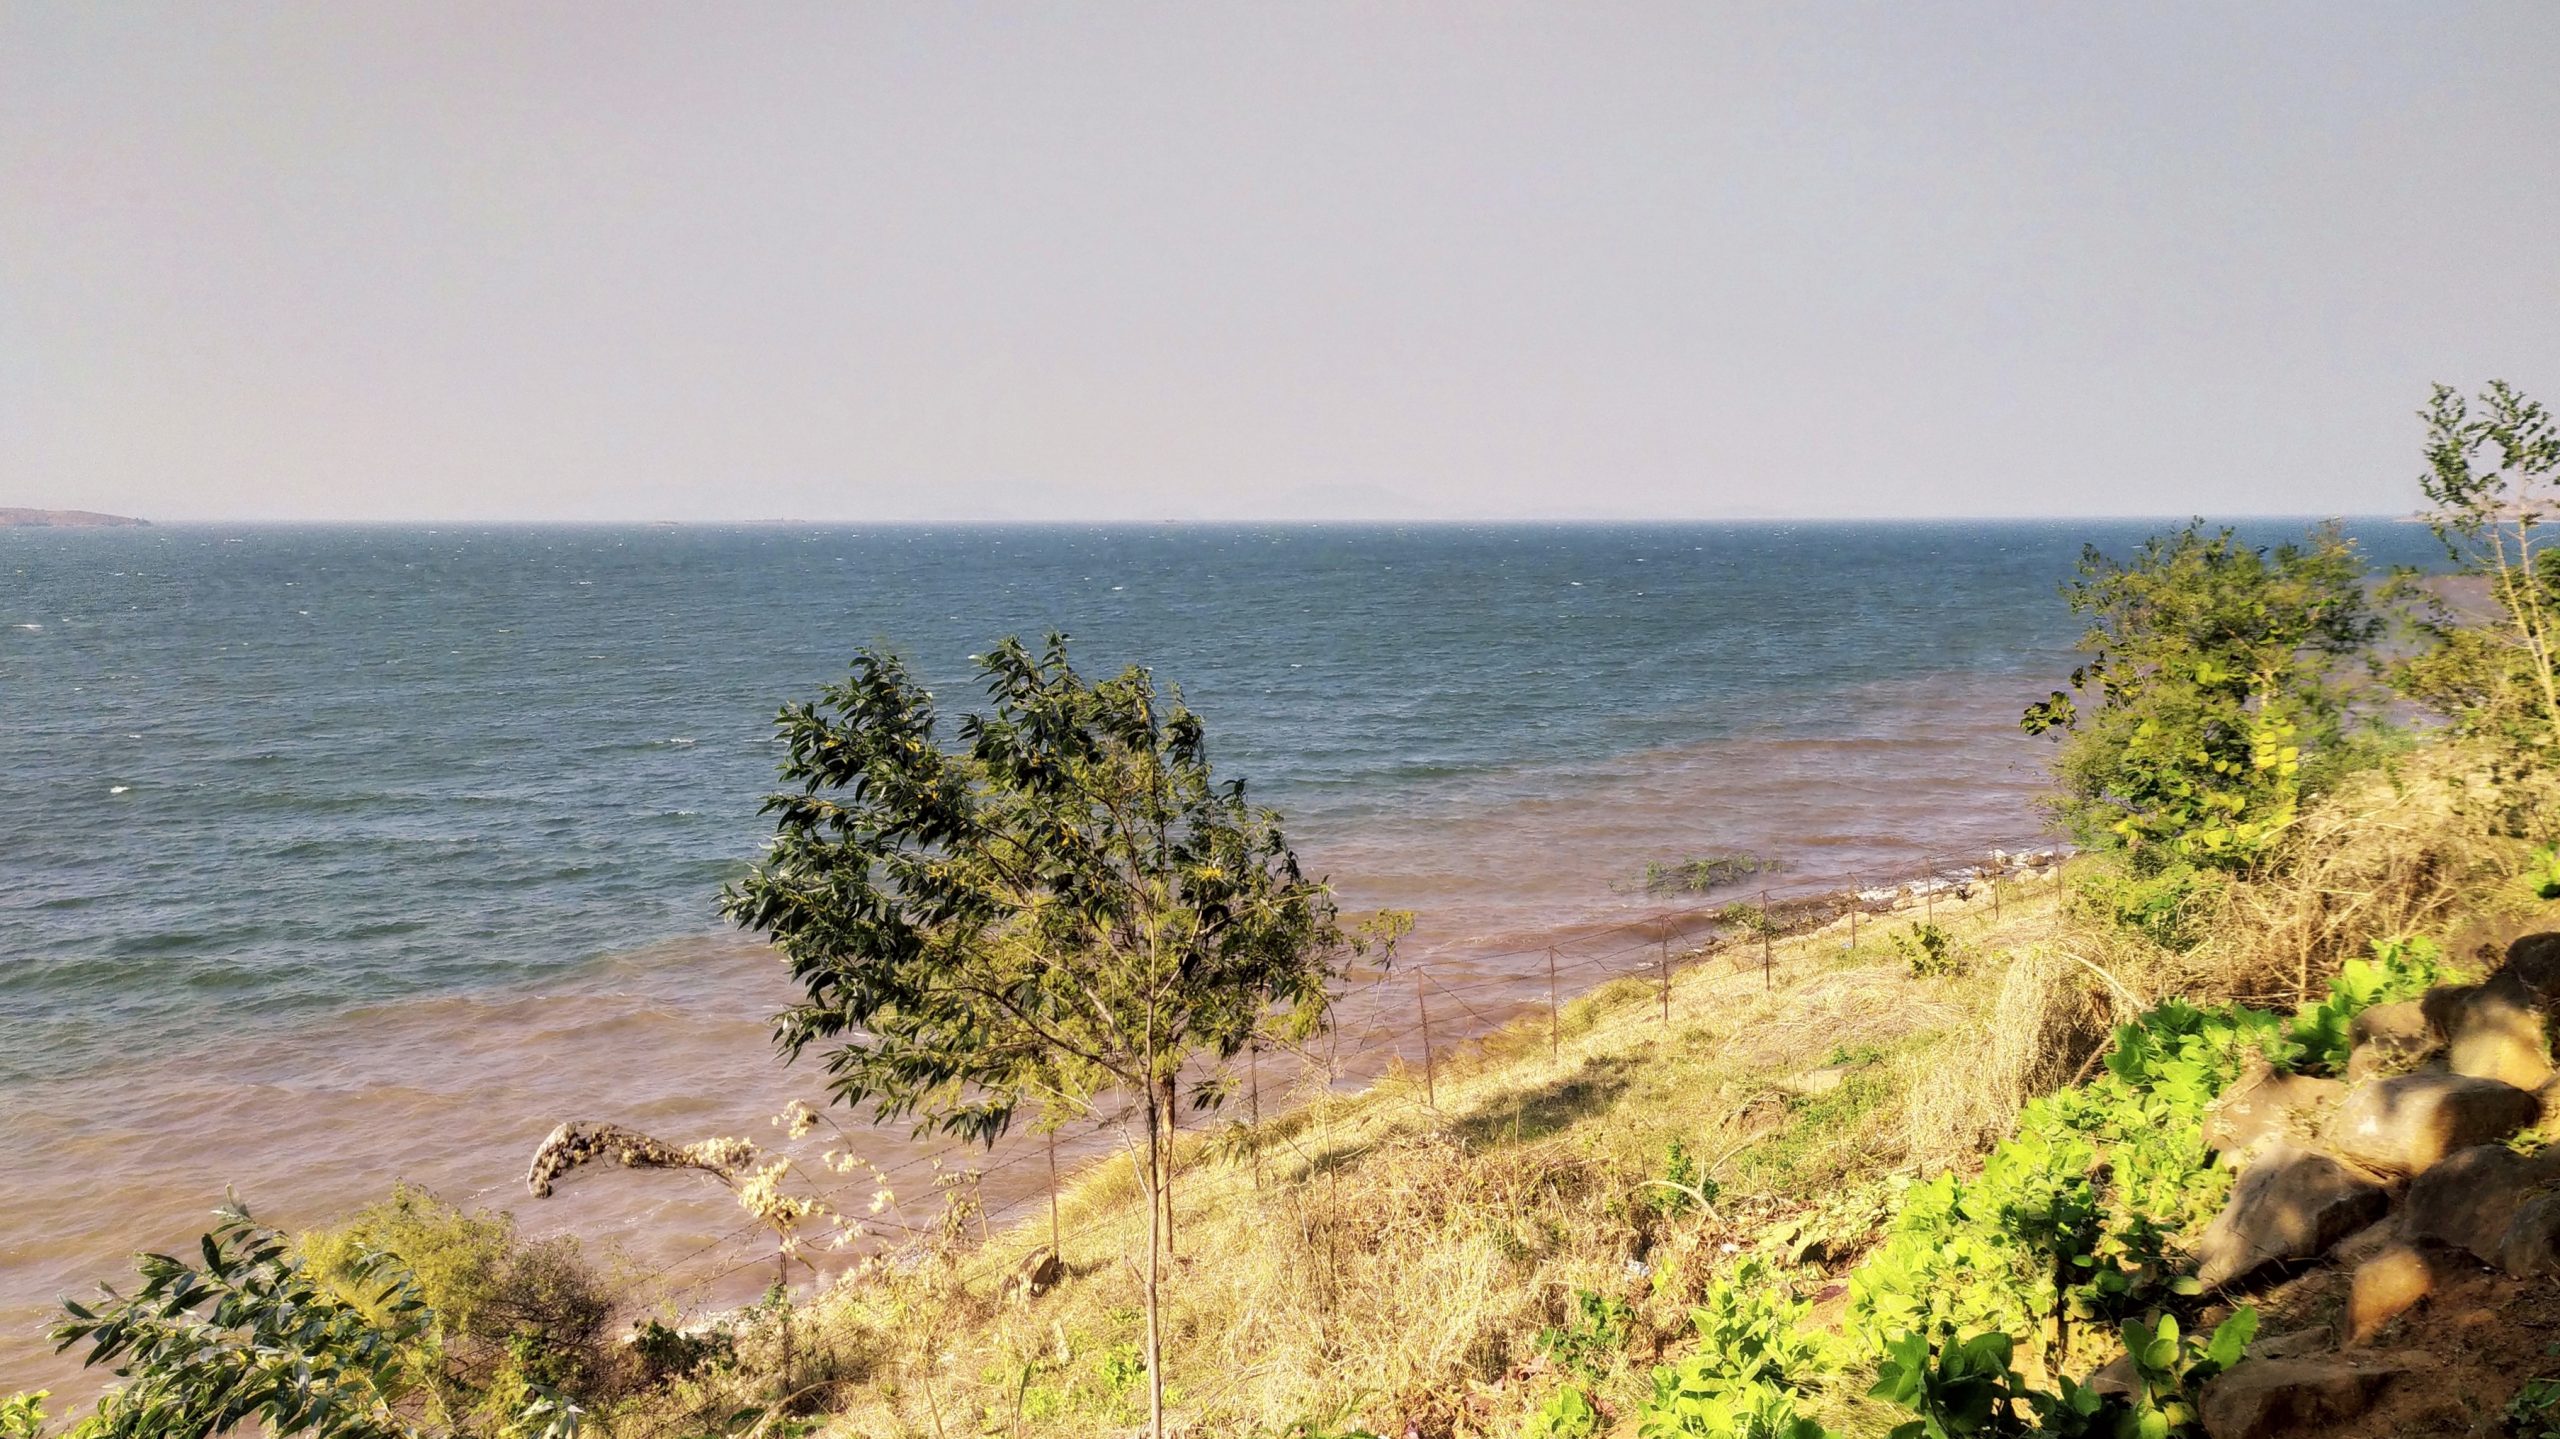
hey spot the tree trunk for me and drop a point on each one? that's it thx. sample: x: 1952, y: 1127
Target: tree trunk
x: 1169, y: 1114
x: 1155, y: 1339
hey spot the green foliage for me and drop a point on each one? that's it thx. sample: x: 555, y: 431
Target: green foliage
x: 1966, y: 1389
x: 253, y: 1336
x: 2544, y: 876
x: 1697, y: 876
x: 1567, y: 1414
x: 1071, y: 903
x: 1932, y: 951
x: 2534, y: 1412
x: 1683, y: 1186
x: 1749, y: 1371
x: 1589, y: 1343
x: 2213, y: 670
x: 1746, y: 918
x: 2153, y: 893
x: 2169, y: 1368
x: 2401, y: 969
x: 666, y: 1353
x: 2492, y: 480
x: 507, y: 1320
x: 22, y: 1415
x: 2073, y: 1218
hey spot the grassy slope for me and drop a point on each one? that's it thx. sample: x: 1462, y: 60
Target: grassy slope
x: 1395, y: 1262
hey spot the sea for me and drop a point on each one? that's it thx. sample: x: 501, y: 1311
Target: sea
x: 334, y: 857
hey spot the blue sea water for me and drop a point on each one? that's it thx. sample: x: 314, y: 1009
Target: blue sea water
x: 258, y: 776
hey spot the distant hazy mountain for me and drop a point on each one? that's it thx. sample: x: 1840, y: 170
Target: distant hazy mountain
x: 64, y: 519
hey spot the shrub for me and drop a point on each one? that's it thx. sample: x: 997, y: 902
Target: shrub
x: 1932, y: 951
x: 1752, y: 1365
x: 2166, y: 900
x: 1567, y: 1414
x: 22, y: 1415
x: 506, y: 1317
x: 2212, y: 681
x: 1589, y: 1343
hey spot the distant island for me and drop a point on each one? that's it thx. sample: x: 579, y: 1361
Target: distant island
x: 64, y: 519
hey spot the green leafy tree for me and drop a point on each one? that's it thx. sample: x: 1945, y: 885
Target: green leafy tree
x: 251, y: 1336
x: 1064, y: 904
x: 2491, y: 665
x: 2213, y: 692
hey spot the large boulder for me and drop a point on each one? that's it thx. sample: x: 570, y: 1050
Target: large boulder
x: 2263, y: 1105
x: 2405, y: 1124
x: 2266, y: 1398
x: 2389, y: 1039
x: 2494, y: 1030
x: 2470, y: 1200
x: 2288, y: 1204
x: 2532, y: 1243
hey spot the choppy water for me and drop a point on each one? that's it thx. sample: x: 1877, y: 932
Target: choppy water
x: 334, y: 855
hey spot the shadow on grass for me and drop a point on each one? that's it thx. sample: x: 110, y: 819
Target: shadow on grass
x: 1553, y: 1107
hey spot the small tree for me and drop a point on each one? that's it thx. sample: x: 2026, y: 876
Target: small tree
x: 2215, y: 667
x: 2493, y: 490
x: 1067, y: 905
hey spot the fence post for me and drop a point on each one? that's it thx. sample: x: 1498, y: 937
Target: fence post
x: 1768, y: 928
x: 1053, y: 1196
x: 1995, y: 891
x: 1929, y: 889
x: 1555, y: 1033
x: 1253, y: 1089
x: 1855, y: 904
x: 1430, y: 1084
x: 1665, y: 967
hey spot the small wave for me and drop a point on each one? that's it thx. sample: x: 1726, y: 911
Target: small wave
x: 30, y: 627
x: 118, y: 789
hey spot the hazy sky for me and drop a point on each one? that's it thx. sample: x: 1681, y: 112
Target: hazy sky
x: 863, y: 262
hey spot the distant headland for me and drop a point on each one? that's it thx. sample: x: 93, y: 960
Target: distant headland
x: 64, y: 519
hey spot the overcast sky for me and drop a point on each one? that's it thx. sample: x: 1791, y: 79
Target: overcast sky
x: 936, y: 261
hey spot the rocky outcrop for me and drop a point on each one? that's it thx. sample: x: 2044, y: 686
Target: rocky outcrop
x: 2469, y: 1201
x: 2389, y: 1039
x: 2494, y: 1030
x: 2406, y: 1124
x: 2266, y: 1398
x: 2289, y: 1204
x: 2531, y: 1246
x: 2263, y: 1105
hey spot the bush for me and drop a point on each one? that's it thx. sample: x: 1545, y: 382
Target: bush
x: 1714, y: 871
x: 1932, y: 951
x: 1753, y: 1364
x: 2166, y: 900
x: 509, y: 1317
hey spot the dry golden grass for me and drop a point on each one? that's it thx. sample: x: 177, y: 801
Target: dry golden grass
x: 1395, y: 1261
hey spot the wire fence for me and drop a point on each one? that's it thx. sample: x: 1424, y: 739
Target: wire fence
x: 1408, y: 1017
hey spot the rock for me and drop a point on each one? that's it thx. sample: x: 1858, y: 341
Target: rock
x: 1038, y: 1273
x: 2288, y: 1204
x: 2263, y: 1398
x: 2405, y: 1124
x: 2548, y: 1096
x: 2535, y: 961
x: 2385, y: 1287
x: 2531, y: 1246
x: 2300, y: 1344
x: 2470, y: 1199
x: 2263, y: 1105
x: 2496, y: 1031
x: 2389, y: 1039
x: 2365, y: 1243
